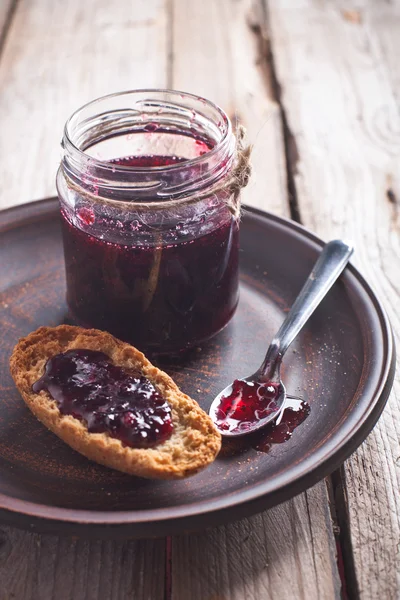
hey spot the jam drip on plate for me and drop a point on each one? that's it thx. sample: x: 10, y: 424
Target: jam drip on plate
x: 294, y: 413
x: 254, y: 401
x: 107, y: 398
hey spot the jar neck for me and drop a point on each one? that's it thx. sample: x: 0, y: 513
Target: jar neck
x: 193, y: 135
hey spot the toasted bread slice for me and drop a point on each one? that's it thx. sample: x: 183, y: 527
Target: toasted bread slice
x: 194, y: 442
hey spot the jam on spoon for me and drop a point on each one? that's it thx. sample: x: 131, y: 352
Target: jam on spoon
x: 250, y: 399
x: 107, y: 398
x: 249, y: 404
x: 295, y: 412
x: 247, y: 400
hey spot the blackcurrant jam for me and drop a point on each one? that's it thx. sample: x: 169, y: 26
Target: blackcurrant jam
x: 249, y: 401
x: 107, y: 398
x: 294, y: 413
x: 151, y: 237
x: 110, y: 283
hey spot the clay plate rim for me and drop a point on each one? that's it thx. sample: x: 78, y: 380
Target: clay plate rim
x: 320, y: 463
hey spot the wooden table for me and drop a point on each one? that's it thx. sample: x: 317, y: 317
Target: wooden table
x: 317, y: 84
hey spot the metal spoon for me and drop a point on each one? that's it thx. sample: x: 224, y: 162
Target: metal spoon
x: 330, y: 264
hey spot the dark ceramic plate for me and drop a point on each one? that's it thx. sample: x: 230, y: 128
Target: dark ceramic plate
x: 342, y: 364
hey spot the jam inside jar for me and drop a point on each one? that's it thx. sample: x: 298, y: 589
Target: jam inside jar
x: 150, y: 238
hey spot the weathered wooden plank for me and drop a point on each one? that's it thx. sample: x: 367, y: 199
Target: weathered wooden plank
x: 217, y: 53
x: 340, y: 88
x: 5, y: 10
x: 384, y: 19
x: 281, y: 554
x: 57, y: 56
x: 288, y: 552
x: 34, y: 567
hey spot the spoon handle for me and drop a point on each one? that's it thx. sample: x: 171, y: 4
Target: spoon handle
x: 331, y: 262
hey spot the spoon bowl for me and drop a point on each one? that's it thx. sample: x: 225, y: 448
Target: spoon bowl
x: 273, y: 411
x: 249, y: 404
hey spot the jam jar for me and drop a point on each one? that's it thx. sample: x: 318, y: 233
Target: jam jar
x: 150, y: 231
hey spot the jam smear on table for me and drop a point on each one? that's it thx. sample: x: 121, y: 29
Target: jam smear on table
x: 162, y: 298
x: 107, y: 398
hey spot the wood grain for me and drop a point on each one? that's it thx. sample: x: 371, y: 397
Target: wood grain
x: 218, y: 53
x: 56, y: 57
x: 6, y: 9
x: 283, y: 553
x: 340, y: 87
x: 34, y: 567
x: 384, y: 19
x: 289, y: 551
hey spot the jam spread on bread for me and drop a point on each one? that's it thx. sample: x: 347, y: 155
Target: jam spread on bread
x: 107, y: 398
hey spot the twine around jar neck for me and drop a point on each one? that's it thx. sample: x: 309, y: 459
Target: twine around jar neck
x: 229, y: 188
x: 238, y: 178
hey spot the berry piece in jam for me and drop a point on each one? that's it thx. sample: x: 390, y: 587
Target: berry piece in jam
x: 107, y: 398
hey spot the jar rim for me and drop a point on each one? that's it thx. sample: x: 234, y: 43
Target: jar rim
x: 226, y: 132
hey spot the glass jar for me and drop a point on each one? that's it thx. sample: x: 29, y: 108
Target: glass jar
x: 150, y: 241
